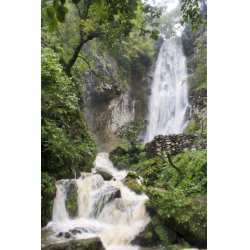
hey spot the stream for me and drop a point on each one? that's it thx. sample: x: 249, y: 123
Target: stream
x: 117, y: 223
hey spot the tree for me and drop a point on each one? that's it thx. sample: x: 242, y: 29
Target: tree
x: 128, y: 133
x: 109, y: 20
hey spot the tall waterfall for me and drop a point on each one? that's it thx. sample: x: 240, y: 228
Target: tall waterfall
x: 117, y: 222
x: 168, y: 106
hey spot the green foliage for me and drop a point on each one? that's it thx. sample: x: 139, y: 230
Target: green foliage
x: 192, y: 127
x: 192, y: 12
x: 193, y: 182
x: 66, y: 140
x: 108, y: 14
x: 48, y: 191
x: 128, y: 133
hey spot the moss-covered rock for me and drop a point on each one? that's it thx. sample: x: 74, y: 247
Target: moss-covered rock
x: 132, y: 182
x: 88, y: 244
x: 186, y: 216
x: 71, y: 200
x: 135, y: 186
x: 151, y: 170
x: 71, y: 196
x: 155, y: 234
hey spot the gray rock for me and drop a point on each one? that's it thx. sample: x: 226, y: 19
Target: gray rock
x: 75, y: 231
x: 88, y: 244
x: 107, y: 176
x: 67, y: 235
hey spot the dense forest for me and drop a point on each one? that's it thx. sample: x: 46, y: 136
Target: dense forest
x: 115, y: 44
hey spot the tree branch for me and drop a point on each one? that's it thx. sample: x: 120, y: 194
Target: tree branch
x: 171, y: 163
x: 90, y: 68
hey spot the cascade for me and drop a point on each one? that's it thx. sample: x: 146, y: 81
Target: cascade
x: 168, y: 106
x: 107, y: 209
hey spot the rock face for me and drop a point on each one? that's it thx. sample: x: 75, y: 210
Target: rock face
x: 109, y: 106
x: 199, y: 108
x: 184, y: 215
x: 88, y: 244
x: 107, y: 176
x: 179, y: 143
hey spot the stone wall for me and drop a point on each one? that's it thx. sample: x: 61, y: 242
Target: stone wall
x: 179, y: 143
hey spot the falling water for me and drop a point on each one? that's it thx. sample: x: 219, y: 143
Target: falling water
x: 168, y: 106
x: 117, y: 223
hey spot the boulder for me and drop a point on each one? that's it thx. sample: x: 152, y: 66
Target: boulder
x: 106, y: 175
x: 131, y: 181
x: 88, y: 244
x: 75, y: 231
x: 187, y: 216
x: 67, y: 235
x: 105, y: 195
x: 70, y: 185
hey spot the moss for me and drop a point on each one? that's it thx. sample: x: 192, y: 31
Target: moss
x: 162, y: 235
x: 135, y: 186
x: 71, y: 201
x: 151, y: 170
x: 71, y: 205
x: 185, y: 215
x: 132, y: 175
x: 155, y: 220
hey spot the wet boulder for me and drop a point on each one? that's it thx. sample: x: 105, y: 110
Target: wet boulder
x: 105, y: 195
x: 87, y: 244
x: 107, y: 176
x: 75, y: 231
x: 67, y: 235
x: 70, y: 188
x: 133, y: 182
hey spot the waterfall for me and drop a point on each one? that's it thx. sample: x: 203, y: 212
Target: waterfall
x: 107, y: 209
x: 168, y: 105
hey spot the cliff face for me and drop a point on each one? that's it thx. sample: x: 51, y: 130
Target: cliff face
x: 109, y: 106
x: 197, y: 93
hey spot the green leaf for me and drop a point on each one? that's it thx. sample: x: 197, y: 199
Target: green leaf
x: 98, y: 2
x: 55, y: 4
x: 76, y: 1
x: 53, y: 24
x: 60, y: 16
x: 50, y: 12
x: 63, y: 8
x: 193, y: 30
x: 63, y: 2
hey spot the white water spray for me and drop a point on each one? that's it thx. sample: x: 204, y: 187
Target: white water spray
x: 117, y: 223
x: 168, y: 107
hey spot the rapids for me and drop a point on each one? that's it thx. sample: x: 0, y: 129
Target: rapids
x: 116, y: 224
